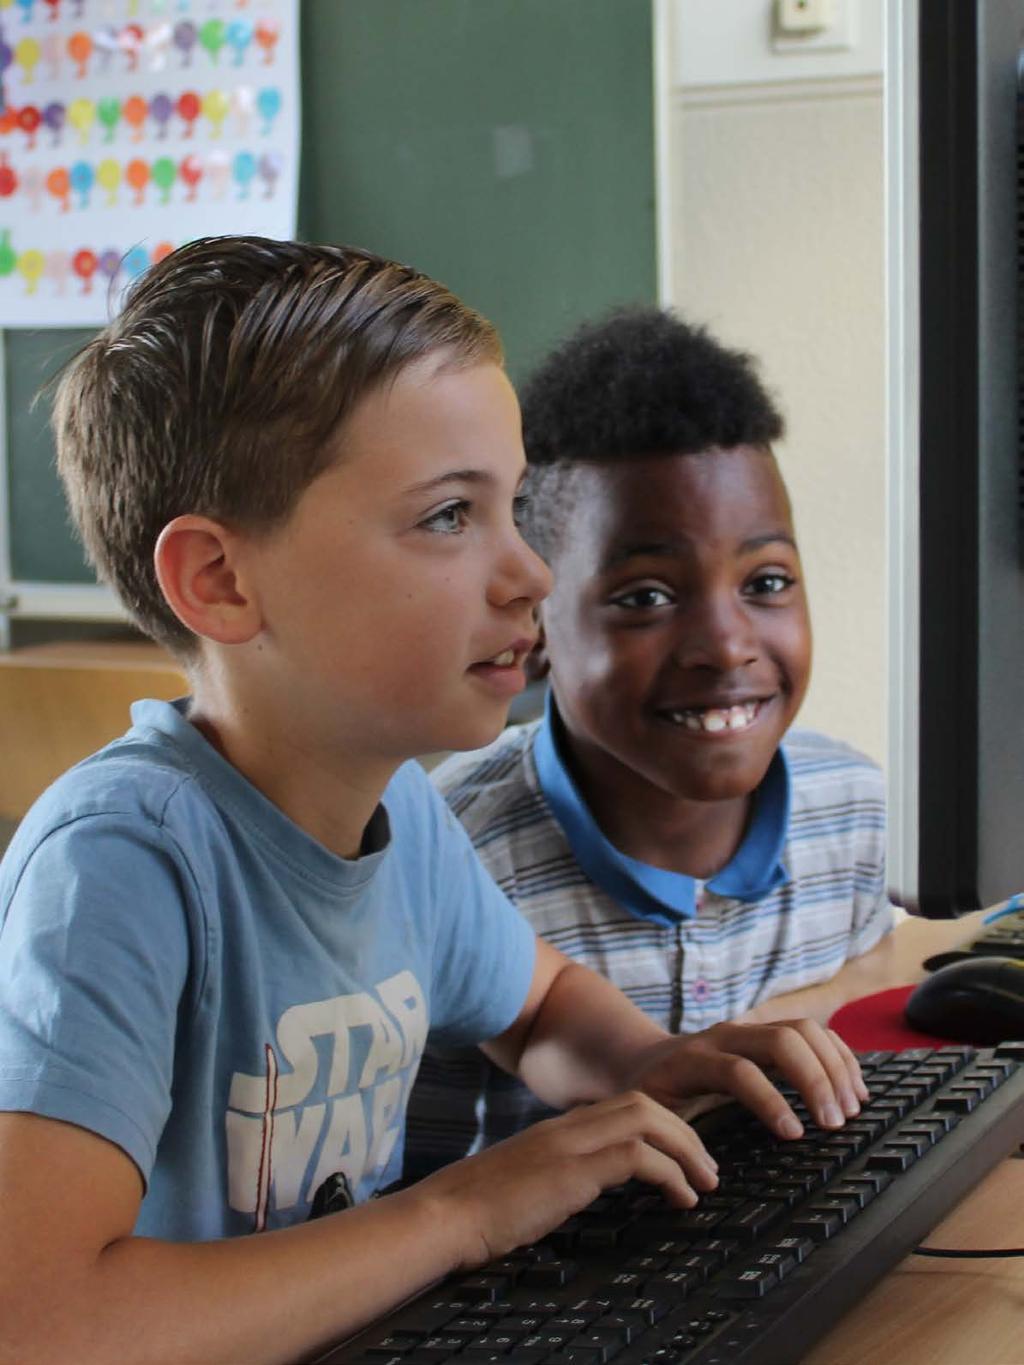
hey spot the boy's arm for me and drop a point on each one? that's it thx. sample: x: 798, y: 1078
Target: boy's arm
x: 579, y: 1038
x: 76, y: 1285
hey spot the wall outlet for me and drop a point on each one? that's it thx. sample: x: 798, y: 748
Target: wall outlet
x: 804, y: 16
x: 813, y: 25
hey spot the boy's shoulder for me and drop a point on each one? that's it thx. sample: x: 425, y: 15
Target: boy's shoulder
x: 482, y: 785
x: 135, y: 790
x: 810, y: 751
x: 130, y: 777
x: 829, y: 772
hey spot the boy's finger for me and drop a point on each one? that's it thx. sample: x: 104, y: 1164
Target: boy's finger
x: 837, y: 1060
x: 852, y: 1064
x: 820, y: 1077
x: 634, y: 1160
x: 730, y: 1074
x: 635, y: 1116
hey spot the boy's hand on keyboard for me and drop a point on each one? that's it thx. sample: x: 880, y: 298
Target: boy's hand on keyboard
x: 520, y: 1189
x: 727, y: 1059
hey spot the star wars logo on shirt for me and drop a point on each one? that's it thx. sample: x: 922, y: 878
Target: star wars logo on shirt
x: 331, y: 1098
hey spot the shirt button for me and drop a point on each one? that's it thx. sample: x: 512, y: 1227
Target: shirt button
x: 700, y: 989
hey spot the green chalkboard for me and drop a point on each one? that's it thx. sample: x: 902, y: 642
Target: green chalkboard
x: 43, y: 548
x: 504, y: 146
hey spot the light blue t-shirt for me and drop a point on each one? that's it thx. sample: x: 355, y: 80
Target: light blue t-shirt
x: 187, y: 973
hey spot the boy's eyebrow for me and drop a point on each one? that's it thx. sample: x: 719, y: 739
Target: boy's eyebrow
x: 768, y: 538
x: 477, y: 476
x: 667, y: 549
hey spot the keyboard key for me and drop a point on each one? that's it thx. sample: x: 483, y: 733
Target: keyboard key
x: 890, y: 1159
x: 424, y: 1319
x: 647, y: 1265
x: 489, y: 1310
x: 901, y: 1140
x: 798, y: 1247
x: 753, y: 1282
x: 603, y: 1234
x: 781, y: 1261
x: 717, y: 1250
x: 998, y: 1070
x: 549, y: 1274
x: 819, y: 1227
x: 498, y: 1341
x: 574, y: 1321
x: 468, y: 1327
x: 523, y: 1323
x: 480, y: 1288
x: 750, y: 1221
x: 474, y: 1355
x: 925, y: 1133
x: 650, y: 1309
x: 845, y: 1209
x: 606, y: 1344
x: 439, y: 1348
x: 959, y: 1103
x: 879, y: 1179
x: 693, y: 1264
x: 673, y: 1284
x: 630, y: 1325
x: 861, y: 1191
x: 626, y: 1284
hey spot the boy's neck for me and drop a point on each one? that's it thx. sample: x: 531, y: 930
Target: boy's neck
x: 331, y: 801
x: 695, y: 837
x: 657, y: 827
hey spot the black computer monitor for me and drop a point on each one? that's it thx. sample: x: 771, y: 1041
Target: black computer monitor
x: 957, y: 500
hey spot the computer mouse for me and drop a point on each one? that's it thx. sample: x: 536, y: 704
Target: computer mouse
x: 979, y: 1000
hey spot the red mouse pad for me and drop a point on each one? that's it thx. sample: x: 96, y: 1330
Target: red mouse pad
x: 877, y: 1022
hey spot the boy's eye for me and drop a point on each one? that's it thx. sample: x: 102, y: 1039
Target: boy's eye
x: 520, y: 505
x: 448, y: 520
x: 643, y: 599
x: 769, y: 584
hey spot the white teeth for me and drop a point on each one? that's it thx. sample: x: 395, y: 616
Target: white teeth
x: 716, y: 719
x: 504, y: 659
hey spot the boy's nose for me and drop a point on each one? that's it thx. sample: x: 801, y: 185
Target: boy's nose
x: 520, y: 574
x: 716, y: 635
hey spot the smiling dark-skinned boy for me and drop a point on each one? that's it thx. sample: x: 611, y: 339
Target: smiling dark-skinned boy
x: 662, y: 823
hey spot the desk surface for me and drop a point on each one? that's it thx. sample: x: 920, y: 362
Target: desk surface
x: 928, y: 1312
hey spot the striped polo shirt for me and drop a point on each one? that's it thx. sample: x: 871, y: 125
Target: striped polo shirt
x: 804, y: 891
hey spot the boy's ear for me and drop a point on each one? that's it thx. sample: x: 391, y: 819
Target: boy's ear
x: 198, y: 568
x: 535, y: 665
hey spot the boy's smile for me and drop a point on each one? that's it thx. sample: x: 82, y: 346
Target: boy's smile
x: 678, y: 637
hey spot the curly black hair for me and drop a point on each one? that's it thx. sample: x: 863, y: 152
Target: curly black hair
x: 639, y: 382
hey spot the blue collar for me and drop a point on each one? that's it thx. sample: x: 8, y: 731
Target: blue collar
x: 653, y: 893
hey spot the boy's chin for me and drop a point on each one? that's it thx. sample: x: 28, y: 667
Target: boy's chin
x: 476, y: 732
x: 720, y: 785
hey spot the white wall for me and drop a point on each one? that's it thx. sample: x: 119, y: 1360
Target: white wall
x: 772, y: 233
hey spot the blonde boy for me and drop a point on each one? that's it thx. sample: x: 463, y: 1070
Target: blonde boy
x: 226, y: 936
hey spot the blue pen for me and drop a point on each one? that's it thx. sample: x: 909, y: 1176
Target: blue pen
x: 1011, y: 907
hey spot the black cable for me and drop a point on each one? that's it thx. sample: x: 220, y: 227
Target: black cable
x: 949, y: 1251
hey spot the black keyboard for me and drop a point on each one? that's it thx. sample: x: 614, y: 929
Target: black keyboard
x: 1003, y: 937
x: 794, y: 1235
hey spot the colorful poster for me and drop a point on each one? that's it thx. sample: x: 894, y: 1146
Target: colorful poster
x: 129, y: 127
